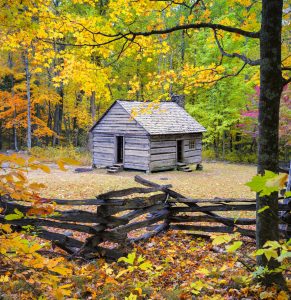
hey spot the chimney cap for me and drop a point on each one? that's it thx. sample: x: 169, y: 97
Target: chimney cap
x: 179, y: 99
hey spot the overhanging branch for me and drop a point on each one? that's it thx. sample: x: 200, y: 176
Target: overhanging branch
x: 233, y: 55
x: 230, y: 29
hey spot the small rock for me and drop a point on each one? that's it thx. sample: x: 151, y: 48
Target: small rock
x: 68, y: 233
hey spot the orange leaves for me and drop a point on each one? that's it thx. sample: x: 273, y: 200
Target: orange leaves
x: 13, y: 181
x: 44, y: 168
x: 41, y: 211
x: 66, y: 161
x: 110, y: 280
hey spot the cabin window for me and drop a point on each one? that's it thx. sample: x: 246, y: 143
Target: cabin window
x: 192, y: 144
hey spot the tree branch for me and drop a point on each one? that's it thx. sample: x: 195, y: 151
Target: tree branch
x: 232, y: 55
x: 230, y: 29
x: 131, y: 35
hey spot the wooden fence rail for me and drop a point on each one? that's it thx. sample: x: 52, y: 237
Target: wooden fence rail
x: 134, y: 214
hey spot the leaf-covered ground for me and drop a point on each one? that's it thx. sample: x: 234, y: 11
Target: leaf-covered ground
x: 169, y: 266
x: 216, y: 180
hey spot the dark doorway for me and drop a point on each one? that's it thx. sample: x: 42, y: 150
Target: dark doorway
x: 119, y: 149
x: 180, y: 148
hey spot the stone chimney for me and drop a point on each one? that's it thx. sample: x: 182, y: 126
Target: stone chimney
x: 179, y: 99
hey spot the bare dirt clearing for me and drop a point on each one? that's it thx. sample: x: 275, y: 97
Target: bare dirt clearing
x: 216, y: 180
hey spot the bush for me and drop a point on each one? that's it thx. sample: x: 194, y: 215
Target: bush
x: 52, y: 154
x: 237, y: 157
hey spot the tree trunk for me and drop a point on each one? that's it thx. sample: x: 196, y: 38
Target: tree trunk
x: 10, y: 64
x: 268, y: 144
x: 93, y: 116
x: 28, y: 95
x: 93, y: 106
x: 58, y: 117
x: 49, y: 122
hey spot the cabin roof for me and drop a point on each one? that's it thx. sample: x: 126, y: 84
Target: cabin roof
x: 160, y: 118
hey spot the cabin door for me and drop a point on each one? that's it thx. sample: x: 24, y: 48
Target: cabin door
x: 119, y: 149
x: 180, y: 151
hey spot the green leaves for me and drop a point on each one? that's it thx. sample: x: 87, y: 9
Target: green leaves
x: 268, y: 183
x: 134, y: 263
x: 234, y: 246
x: 221, y: 239
x: 129, y: 259
x: 271, y: 249
x: 18, y: 215
x: 225, y: 239
x: 197, y: 286
x: 263, y: 209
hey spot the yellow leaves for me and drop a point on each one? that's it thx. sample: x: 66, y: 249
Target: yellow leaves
x: 182, y: 20
x: 62, y: 292
x: 34, y: 248
x: 6, y: 228
x: 191, y: 18
x: 245, y: 3
x: 61, y: 270
x: 36, y: 186
x: 4, y: 278
x: 227, y: 22
x: 282, y: 296
x: 37, y: 70
x: 61, y: 165
x: 203, y: 271
x: 44, y: 168
x: 70, y: 161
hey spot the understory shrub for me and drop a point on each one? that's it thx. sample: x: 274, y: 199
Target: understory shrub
x: 53, y: 154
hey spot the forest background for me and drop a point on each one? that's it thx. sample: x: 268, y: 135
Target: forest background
x: 58, y: 74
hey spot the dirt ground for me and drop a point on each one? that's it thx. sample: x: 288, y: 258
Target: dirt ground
x: 216, y: 180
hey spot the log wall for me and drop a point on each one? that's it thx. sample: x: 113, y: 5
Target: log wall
x: 163, y: 150
x: 136, y: 142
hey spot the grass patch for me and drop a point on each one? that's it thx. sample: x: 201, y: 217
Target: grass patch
x: 53, y: 154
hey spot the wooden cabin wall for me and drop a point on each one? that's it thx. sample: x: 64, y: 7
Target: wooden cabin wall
x: 193, y: 156
x: 137, y: 152
x: 118, y: 121
x: 136, y: 141
x: 163, y: 153
x: 103, y: 149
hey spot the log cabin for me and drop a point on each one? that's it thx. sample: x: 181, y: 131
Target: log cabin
x: 147, y: 136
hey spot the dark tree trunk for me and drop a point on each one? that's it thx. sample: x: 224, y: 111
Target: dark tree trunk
x: 10, y: 64
x: 28, y: 95
x: 49, y: 122
x: 271, y: 88
x: 93, y: 116
x: 58, y: 116
x: 93, y: 106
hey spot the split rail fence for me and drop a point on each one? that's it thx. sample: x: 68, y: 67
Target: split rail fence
x: 135, y: 214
